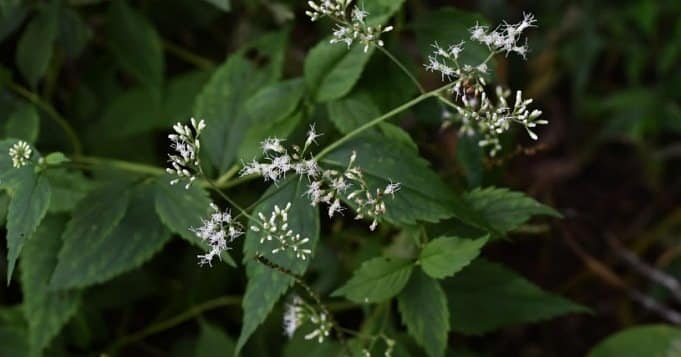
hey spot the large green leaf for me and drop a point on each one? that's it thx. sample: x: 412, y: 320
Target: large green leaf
x: 181, y: 209
x: 117, y: 240
x: 649, y: 341
x: 35, y: 47
x: 486, y: 296
x: 265, y: 285
x: 30, y: 200
x: 180, y: 94
x: 445, y: 256
x: 423, y: 308
x: 505, y: 210
x: 13, y: 333
x: 131, y: 113
x: 24, y: 123
x: 221, y: 103
x: 331, y: 70
x: 135, y: 43
x: 377, y: 280
x: 422, y: 197
x: 356, y: 109
x: 68, y: 188
x: 46, y: 311
x: 74, y: 33
x: 11, y: 17
x: 213, y: 342
x: 274, y: 110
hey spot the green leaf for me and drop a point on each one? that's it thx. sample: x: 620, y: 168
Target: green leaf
x: 46, y: 311
x: 380, y: 11
x: 56, y: 158
x: 213, y: 342
x: 35, y: 47
x: 11, y: 17
x: 181, y: 209
x: 180, y: 94
x: 23, y: 124
x: 74, y: 33
x: 445, y: 256
x: 331, y: 70
x: 423, y: 308
x: 30, y: 198
x: 221, y: 104
x: 377, y: 280
x: 224, y: 5
x: 135, y: 43
x: 505, y: 210
x: 13, y: 333
x: 273, y: 108
x: 486, y: 296
x: 470, y: 157
x: 648, y: 340
x: 133, y: 112
x: 265, y: 285
x: 356, y: 109
x: 4, y: 206
x: 68, y: 188
x: 117, y: 240
x: 422, y: 197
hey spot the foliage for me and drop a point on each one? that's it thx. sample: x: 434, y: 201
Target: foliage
x: 308, y: 185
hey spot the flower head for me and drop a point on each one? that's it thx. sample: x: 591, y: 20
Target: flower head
x: 276, y: 228
x: 185, y: 162
x: 218, y: 230
x: 20, y: 153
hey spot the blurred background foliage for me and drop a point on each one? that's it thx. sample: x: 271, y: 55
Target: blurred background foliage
x: 606, y: 74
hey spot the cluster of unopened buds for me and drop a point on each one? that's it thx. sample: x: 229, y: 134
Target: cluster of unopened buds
x: 348, y: 28
x: 20, y: 153
x: 276, y: 228
x: 218, y: 231
x: 474, y: 110
x: 324, y: 185
x: 297, y: 312
x: 185, y: 162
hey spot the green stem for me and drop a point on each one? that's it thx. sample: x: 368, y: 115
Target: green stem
x: 189, y: 57
x: 51, y: 112
x: 176, y: 320
x: 121, y: 165
x: 380, y: 119
x: 224, y: 179
x: 403, y: 68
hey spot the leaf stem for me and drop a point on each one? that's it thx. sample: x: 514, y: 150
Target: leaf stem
x: 121, y: 165
x: 51, y: 112
x: 176, y: 320
x: 380, y: 119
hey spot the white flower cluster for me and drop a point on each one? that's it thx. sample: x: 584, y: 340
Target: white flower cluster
x: 493, y: 119
x: 185, y: 162
x: 506, y: 37
x: 20, y: 153
x: 325, y: 186
x: 348, y: 28
x: 477, y: 113
x: 276, y: 228
x: 218, y: 231
x: 332, y: 184
x: 298, y: 312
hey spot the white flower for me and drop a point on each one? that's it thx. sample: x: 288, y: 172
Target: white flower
x: 312, y: 136
x: 272, y: 144
x: 217, y: 231
x: 20, y: 153
x: 276, y: 228
x: 185, y: 163
x: 348, y: 28
x: 293, y: 316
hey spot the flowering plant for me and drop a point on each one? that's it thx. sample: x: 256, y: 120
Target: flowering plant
x: 308, y: 193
